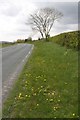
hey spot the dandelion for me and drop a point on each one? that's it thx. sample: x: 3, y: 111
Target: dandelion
x: 54, y: 117
x: 20, y: 95
x: 41, y: 86
x: 73, y: 114
x: 44, y: 80
x: 26, y: 82
x: 54, y: 108
x: 58, y: 100
x: 53, y: 93
x: 65, y: 83
x: 37, y: 104
x: 26, y: 95
x: 47, y: 99
x: 34, y: 94
x: 48, y: 93
x: 51, y: 100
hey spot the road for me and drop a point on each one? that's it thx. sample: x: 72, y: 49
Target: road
x: 13, y: 60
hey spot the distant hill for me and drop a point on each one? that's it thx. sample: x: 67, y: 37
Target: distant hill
x: 69, y: 39
x: 5, y: 42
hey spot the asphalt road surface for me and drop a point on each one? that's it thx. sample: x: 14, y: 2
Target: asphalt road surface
x: 13, y: 60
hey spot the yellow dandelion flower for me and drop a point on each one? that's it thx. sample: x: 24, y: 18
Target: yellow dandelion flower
x: 47, y: 99
x: 73, y: 114
x: 51, y: 100
x: 54, y: 117
x: 41, y: 86
x: 20, y: 95
x: 34, y: 94
x: 37, y: 104
x: 58, y: 100
x: 48, y: 93
x: 53, y: 93
x: 54, y: 108
x: 44, y: 80
x: 26, y: 82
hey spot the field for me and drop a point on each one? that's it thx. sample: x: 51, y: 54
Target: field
x: 47, y: 86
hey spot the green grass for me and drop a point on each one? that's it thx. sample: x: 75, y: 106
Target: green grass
x: 0, y: 45
x: 48, y: 85
x: 68, y: 39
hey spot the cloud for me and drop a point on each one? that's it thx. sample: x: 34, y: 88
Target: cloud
x: 69, y: 21
x: 14, y: 14
x: 9, y: 9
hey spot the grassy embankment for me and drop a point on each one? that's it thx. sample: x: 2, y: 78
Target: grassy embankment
x: 48, y: 85
x: 69, y: 39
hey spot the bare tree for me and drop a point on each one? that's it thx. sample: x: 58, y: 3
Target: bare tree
x: 43, y: 20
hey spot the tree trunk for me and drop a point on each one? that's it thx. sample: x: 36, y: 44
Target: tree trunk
x: 46, y: 36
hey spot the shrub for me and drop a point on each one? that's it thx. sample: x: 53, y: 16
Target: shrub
x: 70, y: 39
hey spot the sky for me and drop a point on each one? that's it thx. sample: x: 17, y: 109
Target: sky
x: 15, y: 13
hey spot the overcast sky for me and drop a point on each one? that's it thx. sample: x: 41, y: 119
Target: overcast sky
x: 14, y: 14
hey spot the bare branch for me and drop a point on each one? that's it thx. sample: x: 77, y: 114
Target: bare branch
x: 43, y: 20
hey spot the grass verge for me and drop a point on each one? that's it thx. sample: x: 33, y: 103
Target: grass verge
x: 48, y: 85
x: 0, y: 45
